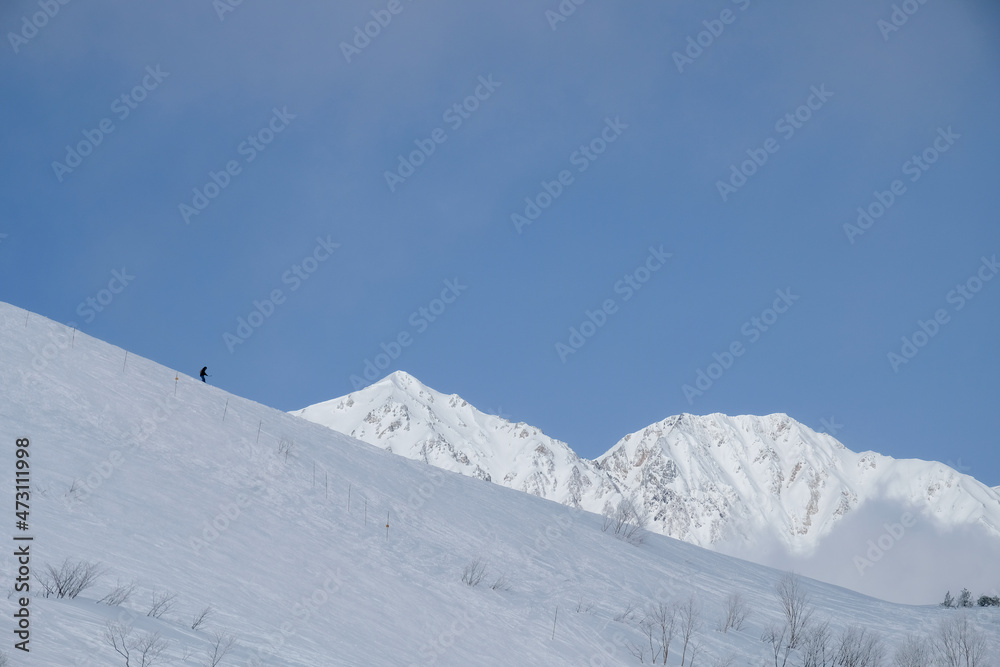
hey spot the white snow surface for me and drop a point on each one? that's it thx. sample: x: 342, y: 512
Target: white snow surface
x: 186, y: 489
x: 766, y: 488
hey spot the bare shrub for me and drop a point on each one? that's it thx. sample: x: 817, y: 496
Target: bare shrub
x: 162, y: 603
x: 959, y: 645
x: 913, y: 652
x: 285, y: 448
x: 626, y: 521
x: 660, y: 625
x: 817, y: 646
x: 795, y: 606
x: 473, y: 573
x: 69, y: 579
x: 689, y: 615
x: 119, y: 595
x: 201, y: 617
x: 583, y: 606
x: 501, y: 583
x: 859, y: 647
x: 4, y: 660
x: 146, y: 649
x: 735, y: 613
x: 626, y: 614
x: 776, y: 636
x: 695, y: 647
x: 217, y: 650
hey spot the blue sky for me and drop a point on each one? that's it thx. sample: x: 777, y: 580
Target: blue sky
x: 595, y: 119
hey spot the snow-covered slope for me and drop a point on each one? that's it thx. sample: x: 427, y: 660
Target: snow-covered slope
x: 766, y: 488
x: 280, y: 525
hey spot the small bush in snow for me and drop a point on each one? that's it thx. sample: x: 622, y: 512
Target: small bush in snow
x: 285, y: 448
x: 146, y: 650
x: 626, y: 521
x: 689, y: 620
x: 817, y: 646
x: 795, y: 606
x: 734, y: 613
x: 217, y: 650
x: 627, y: 614
x: 989, y: 601
x: 162, y: 602
x: 859, y: 647
x: 958, y: 644
x: 69, y: 579
x: 659, y: 626
x: 473, y: 573
x: 501, y: 583
x: 201, y: 617
x: 119, y: 595
x: 913, y: 652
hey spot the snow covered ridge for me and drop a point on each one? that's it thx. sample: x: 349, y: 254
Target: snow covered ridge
x: 181, y: 497
x: 747, y: 485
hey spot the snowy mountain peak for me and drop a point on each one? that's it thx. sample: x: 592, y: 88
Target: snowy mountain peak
x: 404, y: 416
x: 749, y: 485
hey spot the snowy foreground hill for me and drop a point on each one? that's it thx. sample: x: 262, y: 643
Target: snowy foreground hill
x: 313, y: 548
x: 768, y: 488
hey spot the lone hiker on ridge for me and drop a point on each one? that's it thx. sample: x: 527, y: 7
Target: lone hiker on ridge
x: 204, y: 373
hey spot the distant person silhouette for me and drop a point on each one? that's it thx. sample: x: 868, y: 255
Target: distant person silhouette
x: 204, y: 373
